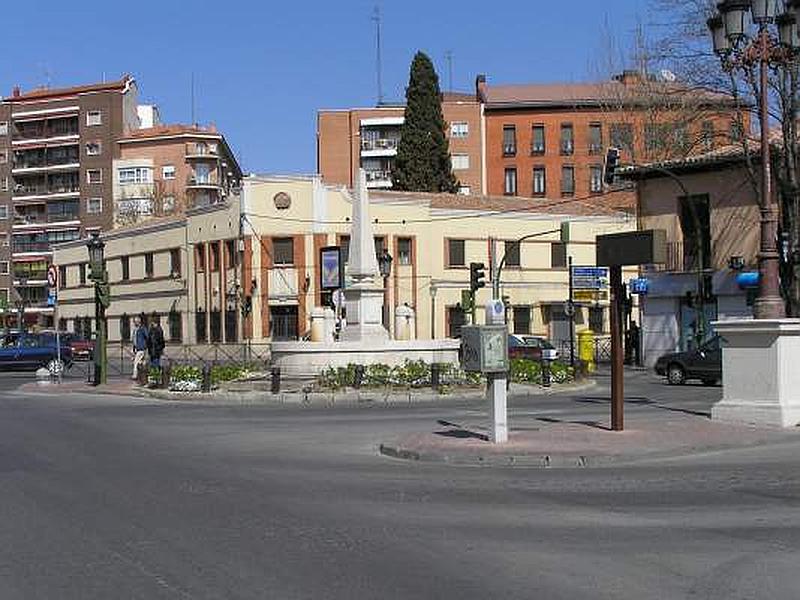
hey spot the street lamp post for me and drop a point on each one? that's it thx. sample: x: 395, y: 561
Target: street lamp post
x: 738, y: 49
x: 385, y: 267
x: 102, y: 298
x: 433, y: 291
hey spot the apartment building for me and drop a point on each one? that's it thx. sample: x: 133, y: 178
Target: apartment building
x: 538, y: 140
x: 367, y: 138
x: 167, y: 169
x: 57, y: 147
x: 198, y: 271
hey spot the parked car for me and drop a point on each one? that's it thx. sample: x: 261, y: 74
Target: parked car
x: 530, y: 347
x: 703, y: 363
x: 549, y: 352
x: 82, y: 348
x: 34, y: 351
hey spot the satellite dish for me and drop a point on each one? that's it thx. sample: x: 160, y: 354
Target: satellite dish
x: 668, y: 75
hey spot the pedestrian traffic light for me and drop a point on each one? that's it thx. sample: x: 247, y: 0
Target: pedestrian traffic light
x: 611, y: 165
x: 476, y: 276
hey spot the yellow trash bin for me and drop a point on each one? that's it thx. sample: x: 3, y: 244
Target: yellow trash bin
x: 586, y: 348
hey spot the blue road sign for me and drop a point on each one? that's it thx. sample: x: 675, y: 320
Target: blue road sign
x: 639, y: 285
x: 600, y: 272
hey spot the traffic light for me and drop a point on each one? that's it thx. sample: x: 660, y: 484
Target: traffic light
x: 476, y: 276
x: 611, y: 165
x: 565, y: 232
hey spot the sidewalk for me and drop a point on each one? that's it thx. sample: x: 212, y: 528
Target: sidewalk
x: 114, y: 387
x: 550, y: 442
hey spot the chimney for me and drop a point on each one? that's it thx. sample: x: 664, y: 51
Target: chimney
x: 15, y: 93
x: 480, y: 87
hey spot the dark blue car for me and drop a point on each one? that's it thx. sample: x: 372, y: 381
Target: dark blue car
x: 29, y: 352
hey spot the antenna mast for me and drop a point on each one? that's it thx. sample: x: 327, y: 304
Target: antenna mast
x: 449, y: 57
x: 376, y: 17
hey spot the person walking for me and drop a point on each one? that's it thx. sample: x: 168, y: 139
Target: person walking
x: 140, y: 346
x: 155, y: 343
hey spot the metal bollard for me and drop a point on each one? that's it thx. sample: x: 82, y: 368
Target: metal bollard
x: 546, y: 379
x: 358, y: 376
x: 206, y: 383
x: 436, y: 376
x: 276, y: 380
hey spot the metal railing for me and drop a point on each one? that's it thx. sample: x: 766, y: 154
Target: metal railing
x: 379, y: 175
x: 601, y: 352
x: 379, y: 144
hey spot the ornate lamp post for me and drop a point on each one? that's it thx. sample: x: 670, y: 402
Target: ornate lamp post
x: 385, y: 268
x: 739, y: 50
x: 102, y: 300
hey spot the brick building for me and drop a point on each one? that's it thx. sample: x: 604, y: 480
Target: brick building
x: 56, y: 151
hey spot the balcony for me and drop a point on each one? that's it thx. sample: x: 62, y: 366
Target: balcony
x: 30, y: 247
x: 66, y: 157
x: 509, y: 149
x: 34, y: 188
x: 379, y: 147
x: 35, y: 131
x: 30, y: 277
x: 379, y: 179
x: 567, y: 147
x: 201, y: 151
x: 202, y: 182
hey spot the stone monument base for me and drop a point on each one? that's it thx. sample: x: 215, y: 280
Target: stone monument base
x: 760, y: 372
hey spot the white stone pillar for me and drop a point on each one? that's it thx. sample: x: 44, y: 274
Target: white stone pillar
x: 760, y: 372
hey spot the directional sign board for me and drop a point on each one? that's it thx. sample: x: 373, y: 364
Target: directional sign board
x: 589, y: 278
x: 590, y: 295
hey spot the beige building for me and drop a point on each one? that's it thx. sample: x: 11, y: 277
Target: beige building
x: 200, y: 270
x: 718, y: 221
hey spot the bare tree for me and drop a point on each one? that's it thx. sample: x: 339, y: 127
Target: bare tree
x: 157, y: 201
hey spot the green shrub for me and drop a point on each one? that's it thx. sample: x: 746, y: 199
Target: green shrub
x: 186, y: 373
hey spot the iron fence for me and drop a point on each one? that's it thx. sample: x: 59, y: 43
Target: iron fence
x: 602, y: 349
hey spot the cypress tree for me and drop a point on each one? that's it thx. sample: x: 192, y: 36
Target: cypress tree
x: 423, y: 155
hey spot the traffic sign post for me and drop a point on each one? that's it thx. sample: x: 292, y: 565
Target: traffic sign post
x: 52, y: 300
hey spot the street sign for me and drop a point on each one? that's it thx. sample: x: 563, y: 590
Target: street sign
x: 590, y: 295
x: 52, y: 276
x: 589, y: 278
x: 51, y: 299
x: 639, y: 285
x: 590, y: 272
x: 569, y: 308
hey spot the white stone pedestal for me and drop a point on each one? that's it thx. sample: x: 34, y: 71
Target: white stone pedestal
x: 760, y: 372
x: 364, y: 304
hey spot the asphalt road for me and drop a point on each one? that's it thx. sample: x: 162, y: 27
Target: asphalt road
x: 113, y: 497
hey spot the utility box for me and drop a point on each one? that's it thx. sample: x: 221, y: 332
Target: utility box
x: 484, y: 348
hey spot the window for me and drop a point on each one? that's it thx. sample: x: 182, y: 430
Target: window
x: 558, y: 255
x: 537, y: 139
x: 567, y: 139
x: 125, y: 328
x: 622, y: 136
x: 283, y: 251
x: 522, y: 319
x: 595, y: 138
x: 539, y: 181
x: 94, y: 176
x: 62, y: 276
x: 456, y: 319
x: 94, y: 206
x: 231, y: 326
x: 214, y: 248
x: 135, y: 175
x: 512, y: 254
x: 148, y: 265
x: 736, y: 131
x: 404, y: 251
x: 510, y: 184
x: 455, y: 253
x: 596, y: 323
x: 168, y: 204
x: 125, y: 267
x: 216, y: 326
x: 595, y: 179
x: 200, y: 326
x: 93, y: 148
x: 3, y: 212
x: 344, y: 244
x: 82, y: 274
x: 200, y: 259
x: 175, y: 262
x: 230, y: 254
x: 509, y: 140
x: 655, y: 137
x: 94, y: 117
x: 464, y: 190
x: 175, y: 326
x: 460, y: 161
x: 459, y: 129
x: 3, y: 127
x: 567, y: 180
x: 4, y: 184
x: 707, y: 135
x: 168, y: 172
x: 696, y: 227
x: 4, y: 267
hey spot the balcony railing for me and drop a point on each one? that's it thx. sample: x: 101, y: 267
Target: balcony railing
x: 36, y: 133
x: 202, y: 181
x: 509, y: 149
x: 31, y: 247
x: 22, y: 189
x: 378, y: 176
x: 38, y: 162
x: 30, y: 275
x: 683, y: 256
x: 379, y: 144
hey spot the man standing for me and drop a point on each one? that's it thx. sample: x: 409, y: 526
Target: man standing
x: 155, y: 343
x: 140, y: 344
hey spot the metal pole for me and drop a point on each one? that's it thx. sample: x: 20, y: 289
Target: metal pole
x: 768, y: 304
x: 571, y: 320
x: 433, y: 317
x: 617, y: 374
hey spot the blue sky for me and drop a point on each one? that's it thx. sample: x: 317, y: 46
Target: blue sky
x: 262, y: 69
